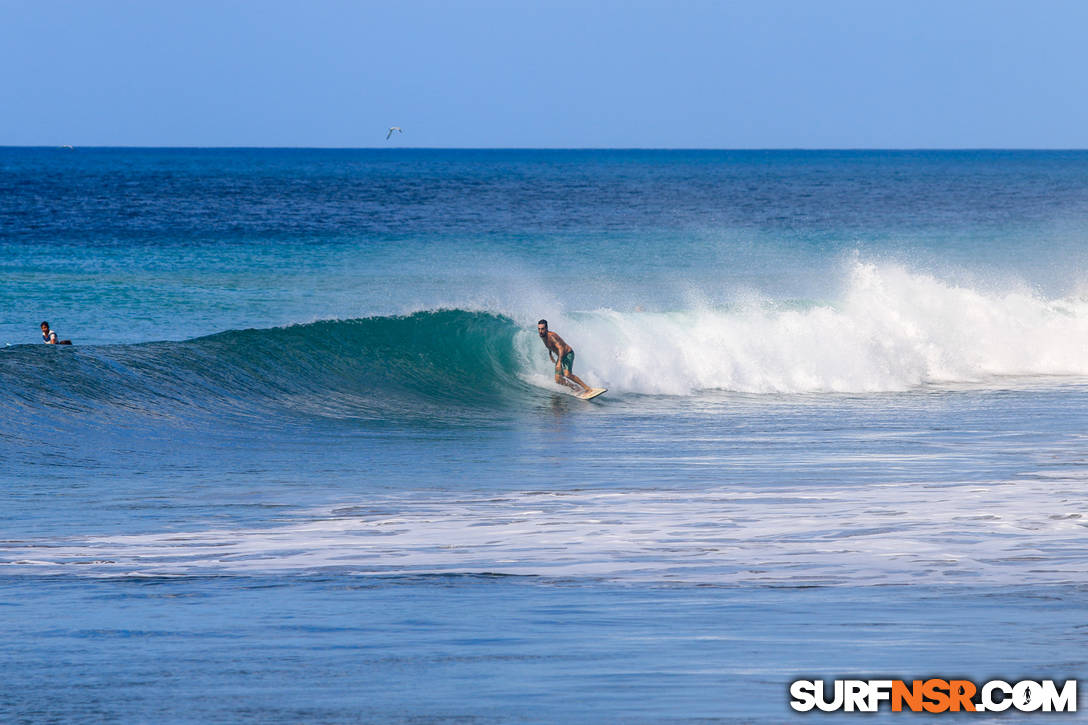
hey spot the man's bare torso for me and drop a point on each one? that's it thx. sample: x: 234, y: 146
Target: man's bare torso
x: 556, y: 344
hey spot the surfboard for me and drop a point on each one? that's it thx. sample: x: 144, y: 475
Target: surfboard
x: 591, y: 393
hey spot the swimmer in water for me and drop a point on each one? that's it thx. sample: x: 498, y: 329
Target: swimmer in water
x: 50, y: 337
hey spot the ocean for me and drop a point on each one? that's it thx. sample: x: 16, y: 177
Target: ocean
x: 305, y: 460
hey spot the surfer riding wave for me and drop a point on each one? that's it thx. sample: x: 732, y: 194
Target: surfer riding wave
x: 562, y: 355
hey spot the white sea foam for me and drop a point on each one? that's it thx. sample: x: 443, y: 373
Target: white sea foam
x: 1023, y: 532
x: 892, y: 330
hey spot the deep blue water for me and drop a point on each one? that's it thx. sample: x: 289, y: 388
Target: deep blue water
x: 305, y: 461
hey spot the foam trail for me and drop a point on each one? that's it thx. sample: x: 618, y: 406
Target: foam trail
x: 1001, y: 533
x: 892, y: 330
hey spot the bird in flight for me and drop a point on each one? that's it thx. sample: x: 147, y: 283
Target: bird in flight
x: 398, y: 129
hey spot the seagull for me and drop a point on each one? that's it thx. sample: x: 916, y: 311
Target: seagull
x: 398, y: 129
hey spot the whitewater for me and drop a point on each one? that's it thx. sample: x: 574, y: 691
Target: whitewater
x: 892, y: 330
x: 989, y: 533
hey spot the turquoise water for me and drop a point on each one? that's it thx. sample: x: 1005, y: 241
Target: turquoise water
x: 305, y: 460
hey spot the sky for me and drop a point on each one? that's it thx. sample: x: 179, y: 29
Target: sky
x: 539, y: 74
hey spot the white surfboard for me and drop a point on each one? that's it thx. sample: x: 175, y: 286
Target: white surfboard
x: 591, y: 393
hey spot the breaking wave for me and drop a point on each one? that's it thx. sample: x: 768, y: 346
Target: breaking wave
x: 891, y: 330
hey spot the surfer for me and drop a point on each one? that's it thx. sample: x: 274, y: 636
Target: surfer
x: 50, y: 337
x: 562, y: 355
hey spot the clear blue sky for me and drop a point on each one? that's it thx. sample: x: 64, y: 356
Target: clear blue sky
x: 743, y: 74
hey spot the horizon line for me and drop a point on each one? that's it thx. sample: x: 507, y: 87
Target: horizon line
x: 549, y: 148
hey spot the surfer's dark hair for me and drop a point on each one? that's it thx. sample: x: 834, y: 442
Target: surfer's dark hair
x: 542, y: 322
x: 44, y: 323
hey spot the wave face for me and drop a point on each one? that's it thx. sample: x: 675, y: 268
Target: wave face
x: 423, y: 364
x: 891, y: 331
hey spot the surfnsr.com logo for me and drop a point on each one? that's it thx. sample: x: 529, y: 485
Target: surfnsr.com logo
x: 934, y: 695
